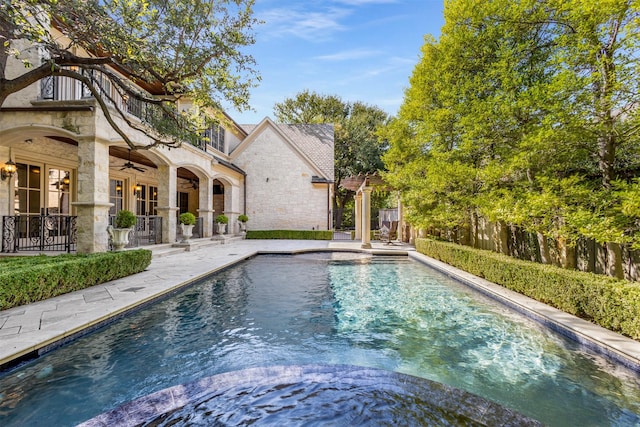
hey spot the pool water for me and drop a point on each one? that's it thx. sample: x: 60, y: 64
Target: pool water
x: 392, y: 314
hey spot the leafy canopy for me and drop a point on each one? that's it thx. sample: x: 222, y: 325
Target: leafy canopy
x: 525, y: 112
x: 175, y: 49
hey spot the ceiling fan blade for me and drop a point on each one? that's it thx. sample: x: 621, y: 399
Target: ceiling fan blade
x: 139, y: 169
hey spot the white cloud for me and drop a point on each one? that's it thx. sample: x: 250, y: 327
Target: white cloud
x: 365, y: 2
x: 348, y: 55
x: 304, y: 24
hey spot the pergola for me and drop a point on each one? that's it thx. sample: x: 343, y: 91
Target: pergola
x: 363, y: 185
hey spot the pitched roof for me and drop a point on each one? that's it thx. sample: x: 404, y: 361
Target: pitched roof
x: 314, y: 140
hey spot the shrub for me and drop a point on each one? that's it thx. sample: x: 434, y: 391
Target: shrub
x: 37, y: 278
x: 290, y: 234
x: 222, y: 219
x: 611, y: 303
x: 125, y: 219
x: 187, y: 218
x: 243, y: 218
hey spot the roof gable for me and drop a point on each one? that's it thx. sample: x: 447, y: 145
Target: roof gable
x: 314, y: 142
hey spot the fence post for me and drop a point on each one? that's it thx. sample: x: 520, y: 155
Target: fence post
x: 543, y: 243
x: 614, y: 260
x: 567, y: 254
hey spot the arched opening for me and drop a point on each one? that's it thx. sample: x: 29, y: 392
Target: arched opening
x: 37, y: 199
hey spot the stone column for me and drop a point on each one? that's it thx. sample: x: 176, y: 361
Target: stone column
x: 358, y: 216
x: 6, y: 186
x: 206, y: 206
x: 401, y: 236
x: 366, y: 218
x: 93, y: 204
x: 167, y: 204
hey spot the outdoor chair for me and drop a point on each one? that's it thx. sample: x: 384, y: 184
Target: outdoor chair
x: 389, y: 234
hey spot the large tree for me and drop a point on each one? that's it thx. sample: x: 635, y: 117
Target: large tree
x: 358, y: 148
x: 187, y: 48
x: 525, y: 112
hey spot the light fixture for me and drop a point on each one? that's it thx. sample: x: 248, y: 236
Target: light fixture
x: 118, y: 188
x: 66, y: 179
x: 137, y: 189
x: 8, y: 170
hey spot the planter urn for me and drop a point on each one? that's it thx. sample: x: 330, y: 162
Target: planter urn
x: 119, y: 237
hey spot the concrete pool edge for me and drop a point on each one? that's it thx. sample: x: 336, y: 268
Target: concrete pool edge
x: 612, y: 345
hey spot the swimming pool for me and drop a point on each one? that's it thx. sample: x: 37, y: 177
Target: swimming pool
x: 391, y: 314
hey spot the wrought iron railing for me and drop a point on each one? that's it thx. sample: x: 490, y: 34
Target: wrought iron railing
x: 343, y: 234
x: 210, y: 139
x: 148, y: 231
x: 42, y: 233
x: 60, y: 88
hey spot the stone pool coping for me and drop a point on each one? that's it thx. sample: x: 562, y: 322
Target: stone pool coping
x: 29, y: 331
x: 614, y: 346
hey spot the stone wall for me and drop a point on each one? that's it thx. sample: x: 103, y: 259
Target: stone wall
x: 280, y: 194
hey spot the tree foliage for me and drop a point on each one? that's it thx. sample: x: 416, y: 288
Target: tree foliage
x: 190, y: 48
x: 357, y: 150
x: 525, y: 112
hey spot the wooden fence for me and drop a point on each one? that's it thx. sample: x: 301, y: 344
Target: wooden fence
x: 611, y: 259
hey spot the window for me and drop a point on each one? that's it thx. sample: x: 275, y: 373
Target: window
x: 146, y: 200
x: 153, y: 200
x: 58, y: 192
x: 116, y: 195
x: 42, y: 193
x: 141, y: 199
x: 215, y: 136
x: 28, y: 195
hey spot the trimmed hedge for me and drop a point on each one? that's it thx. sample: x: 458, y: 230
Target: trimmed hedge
x: 372, y: 237
x: 290, y: 234
x: 611, y: 303
x: 24, y: 280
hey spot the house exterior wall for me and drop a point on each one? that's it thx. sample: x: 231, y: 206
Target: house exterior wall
x: 276, y: 193
x: 280, y: 194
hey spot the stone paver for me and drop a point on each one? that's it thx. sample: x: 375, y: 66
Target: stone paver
x: 30, y: 330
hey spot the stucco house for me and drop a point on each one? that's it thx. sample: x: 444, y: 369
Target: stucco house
x: 73, y: 172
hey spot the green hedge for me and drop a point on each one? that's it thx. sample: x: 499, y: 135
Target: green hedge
x: 611, y: 303
x: 372, y: 237
x: 290, y: 234
x: 24, y: 280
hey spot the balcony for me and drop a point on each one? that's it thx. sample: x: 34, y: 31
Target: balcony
x: 59, y: 88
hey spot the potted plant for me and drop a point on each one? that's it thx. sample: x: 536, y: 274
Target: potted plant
x: 243, y: 222
x: 222, y: 221
x: 187, y: 221
x: 122, y: 225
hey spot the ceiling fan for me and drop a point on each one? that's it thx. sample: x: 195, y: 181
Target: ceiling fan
x: 190, y: 183
x: 130, y: 165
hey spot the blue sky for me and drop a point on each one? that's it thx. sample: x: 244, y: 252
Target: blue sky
x: 360, y: 50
